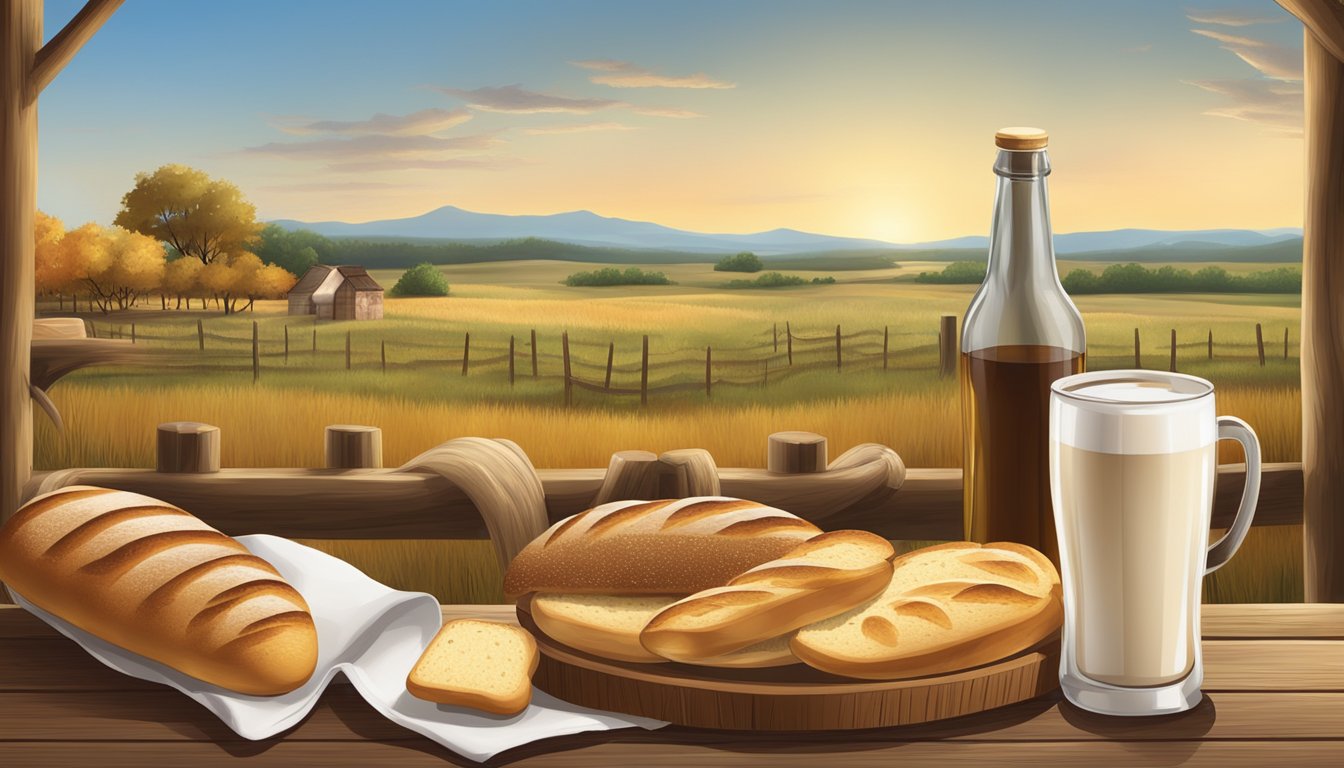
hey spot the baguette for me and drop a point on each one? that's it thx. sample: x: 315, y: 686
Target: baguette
x: 826, y: 575
x: 948, y: 607
x: 668, y: 547
x: 485, y: 665
x: 608, y: 626
x: 147, y: 576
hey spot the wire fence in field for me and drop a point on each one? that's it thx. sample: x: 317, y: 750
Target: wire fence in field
x: 770, y: 356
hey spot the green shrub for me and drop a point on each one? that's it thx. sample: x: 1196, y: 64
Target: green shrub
x: 421, y: 280
x: 768, y: 280
x: 1135, y: 278
x: 958, y: 272
x: 742, y: 262
x: 608, y: 276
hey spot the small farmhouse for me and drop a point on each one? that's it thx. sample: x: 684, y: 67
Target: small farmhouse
x: 337, y: 293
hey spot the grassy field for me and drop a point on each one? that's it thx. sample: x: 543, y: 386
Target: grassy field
x: 423, y: 399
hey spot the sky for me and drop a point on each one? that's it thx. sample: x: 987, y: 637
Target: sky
x: 863, y: 119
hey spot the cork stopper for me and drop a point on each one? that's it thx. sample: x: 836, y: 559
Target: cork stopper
x: 1021, y: 138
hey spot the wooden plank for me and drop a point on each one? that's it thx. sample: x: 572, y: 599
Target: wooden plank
x: 161, y: 714
x: 579, y: 751
x: 389, y: 504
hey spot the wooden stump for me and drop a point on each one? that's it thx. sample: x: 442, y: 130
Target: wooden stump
x: 630, y: 475
x: 350, y: 446
x: 188, y: 447
x: 689, y: 472
x: 792, y: 453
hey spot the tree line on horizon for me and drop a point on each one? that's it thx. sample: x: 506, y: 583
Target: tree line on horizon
x: 1136, y: 278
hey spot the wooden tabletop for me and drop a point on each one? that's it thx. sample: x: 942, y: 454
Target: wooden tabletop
x: 1274, y: 685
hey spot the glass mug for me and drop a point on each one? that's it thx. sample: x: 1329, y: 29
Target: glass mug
x: 1133, y: 459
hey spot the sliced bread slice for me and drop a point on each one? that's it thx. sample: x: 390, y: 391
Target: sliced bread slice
x: 947, y: 607
x: 485, y: 665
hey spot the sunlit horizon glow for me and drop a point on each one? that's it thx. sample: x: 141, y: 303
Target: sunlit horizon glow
x: 847, y: 118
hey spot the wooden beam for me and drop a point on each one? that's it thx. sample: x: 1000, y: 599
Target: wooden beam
x: 391, y: 504
x: 62, y: 48
x: 1322, y: 336
x: 1324, y: 20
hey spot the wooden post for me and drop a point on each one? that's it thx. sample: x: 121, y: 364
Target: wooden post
x: 200, y: 333
x: 630, y: 475
x: 511, y: 360
x: 644, y: 373
x: 1138, y: 361
x: 1285, y: 342
x: 534, y: 353
x: 775, y: 328
x: 1173, y: 350
x: 349, y: 446
x: 947, y: 340
x: 1321, y: 349
x: 885, y: 329
x: 837, y: 348
x: 286, y: 344
x: 188, y: 447
x: 314, y: 337
x: 688, y: 472
x: 466, y: 352
x: 569, y: 382
x: 1210, y: 343
x: 347, y: 350
x: 93, y: 331
x: 792, y: 453
x: 1260, y: 344
x: 382, y: 354
x: 1285, y: 339
x: 708, y: 394
x: 611, y: 355
x: 788, y: 334
x: 256, y: 355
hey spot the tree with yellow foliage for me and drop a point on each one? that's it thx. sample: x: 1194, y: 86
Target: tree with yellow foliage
x: 181, y: 279
x: 49, y: 274
x: 199, y: 217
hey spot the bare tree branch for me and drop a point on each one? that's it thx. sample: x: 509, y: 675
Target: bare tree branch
x: 60, y: 49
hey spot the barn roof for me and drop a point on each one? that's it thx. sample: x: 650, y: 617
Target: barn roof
x: 359, y: 278
x: 308, y: 284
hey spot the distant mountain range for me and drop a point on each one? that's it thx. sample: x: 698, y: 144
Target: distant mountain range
x: 589, y: 229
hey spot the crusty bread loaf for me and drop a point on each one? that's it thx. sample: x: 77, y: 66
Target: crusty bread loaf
x: 609, y: 625
x: 948, y: 607
x: 826, y: 575
x: 485, y: 665
x: 669, y: 547
x: 151, y: 578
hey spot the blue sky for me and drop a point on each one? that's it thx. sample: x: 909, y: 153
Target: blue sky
x: 853, y: 118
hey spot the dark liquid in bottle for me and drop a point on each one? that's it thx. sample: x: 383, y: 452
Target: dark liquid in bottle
x: 1005, y: 406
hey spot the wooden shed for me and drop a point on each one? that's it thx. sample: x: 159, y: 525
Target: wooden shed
x: 301, y: 295
x: 337, y: 293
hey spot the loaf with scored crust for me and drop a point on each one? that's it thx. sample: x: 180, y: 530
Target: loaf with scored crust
x: 667, y: 547
x: 947, y: 607
x: 151, y: 578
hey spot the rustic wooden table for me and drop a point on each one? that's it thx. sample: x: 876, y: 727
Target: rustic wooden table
x: 1274, y: 681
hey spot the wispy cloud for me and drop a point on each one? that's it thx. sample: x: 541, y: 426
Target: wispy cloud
x: 585, y: 128
x: 332, y: 186
x: 1274, y: 104
x: 476, y: 163
x: 372, y: 146
x: 680, y: 114
x: 517, y: 100
x: 1146, y: 47
x: 625, y: 74
x: 1228, y: 18
x: 1271, y: 60
x: 422, y: 123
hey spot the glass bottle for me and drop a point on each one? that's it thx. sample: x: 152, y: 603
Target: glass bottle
x: 1021, y: 332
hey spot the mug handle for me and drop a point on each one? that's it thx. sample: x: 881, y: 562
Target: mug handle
x: 1232, y: 428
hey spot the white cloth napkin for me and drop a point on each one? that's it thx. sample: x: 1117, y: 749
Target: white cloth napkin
x: 374, y: 635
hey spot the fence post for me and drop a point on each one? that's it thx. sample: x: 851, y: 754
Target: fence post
x: 347, y: 350
x: 776, y: 330
x: 510, y: 359
x: 200, y: 333
x: 788, y: 333
x: 534, y: 353
x: 466, y: 352
x: 93, y: 331
x: 611, y: 353
x: 1285, y: 340
x: 256, y: 356
x: 349, y: 446
x: 1210, y: 343
x: 314, y: 337
x: 644, y: 373
x: 1138, y: 362
x: 885, y: 330
x: 382, y: 355
x: 947, y: 345
x: 286, y: 344
x: 793, y: 453
x: 1260, y: 344
x: 837, y: 347
x: 188, y: 447
x: 1173, y: 350
x: 707, y: 373
x: 569, y: 384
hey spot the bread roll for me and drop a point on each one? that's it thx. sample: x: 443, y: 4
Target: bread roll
x: 485, y: 665
x: 151, y: 578
x: 608, y: 626
x: 826, y: 575
x: 668, y: 547
x: 948, y: 607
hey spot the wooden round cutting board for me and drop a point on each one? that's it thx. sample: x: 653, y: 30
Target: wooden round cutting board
x: 793, y: 698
